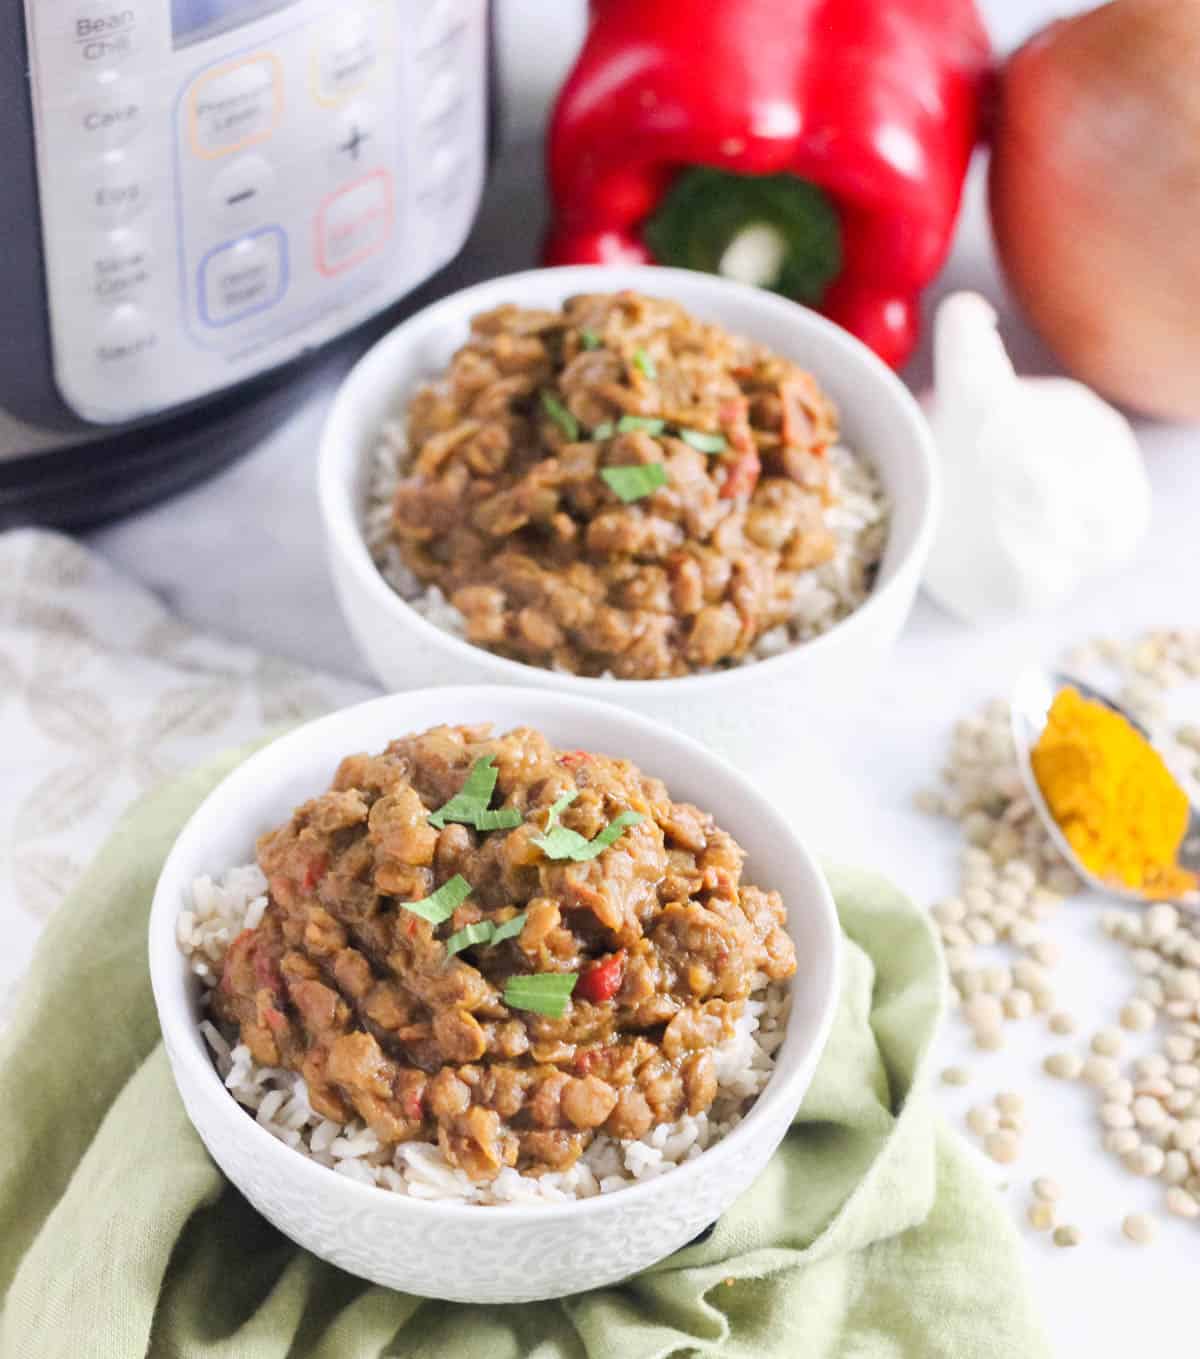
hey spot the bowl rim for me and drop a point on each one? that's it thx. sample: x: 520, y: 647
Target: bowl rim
x: 199, y: 1070
x: 336, y: 460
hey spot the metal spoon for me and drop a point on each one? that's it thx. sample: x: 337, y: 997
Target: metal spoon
x: 1034, y: 693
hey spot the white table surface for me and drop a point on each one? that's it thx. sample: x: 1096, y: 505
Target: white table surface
x: 242, y: 554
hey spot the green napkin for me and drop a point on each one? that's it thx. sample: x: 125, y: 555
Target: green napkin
x: 870, y: 1235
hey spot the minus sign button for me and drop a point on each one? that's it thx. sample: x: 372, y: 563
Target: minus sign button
x: 242, y: 189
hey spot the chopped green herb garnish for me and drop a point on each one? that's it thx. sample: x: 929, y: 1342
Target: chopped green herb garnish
x: 704, y: 443
x: 562, y: 417
x: 443, y: 903
x: 557, y: 807
x: 644, y: 364
x: 590, y: 340
x: 630, y: 424
x: 605, y: 430
x: 560, y: 842
x: 470, y: 805
x: 478, y: 933
x: 545, y: 993
x: 484, y: 932
x: 632, y: 483
x: 503, y: 818
x: 509, y: 930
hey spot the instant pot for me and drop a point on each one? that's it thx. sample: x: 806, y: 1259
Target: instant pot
x: 198, y: 195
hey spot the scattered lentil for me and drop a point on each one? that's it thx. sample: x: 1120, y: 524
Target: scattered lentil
x: 1048, y: 1189
x: 955, y: 1075
x: 1067, y: 1236
x: 1186, y: 1134
x: 1121, y: 1141
x: 983, y: 1120
x: 1181, y: 1203
x: 1106, y: 1042
x: 1062, y: 1023
x: 1099, y: 1071
x: 1137, y: 1016
x: 1018, y: 1004
x: 1153, y: 1064
x: 1146, y: 1160
x: 1003, y: 1146
x: 1176, y: 1167
x: 1118, y: 1092
x: 1116, y: 1116
x: 1139, y: 1228
x: 1066, y: 1066
x: 1147, y: 1112
x: 984, y: 1012
x: 1041, y: 1215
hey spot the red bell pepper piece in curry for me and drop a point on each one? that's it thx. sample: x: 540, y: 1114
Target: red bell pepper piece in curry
x: 816, y: 147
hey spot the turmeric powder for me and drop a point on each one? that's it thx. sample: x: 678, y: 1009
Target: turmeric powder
x: 1113, y: 797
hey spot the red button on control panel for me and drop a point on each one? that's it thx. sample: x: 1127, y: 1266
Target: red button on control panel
x: 354, y: 223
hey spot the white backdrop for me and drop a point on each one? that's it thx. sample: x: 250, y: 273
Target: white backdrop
x: 239, y: 557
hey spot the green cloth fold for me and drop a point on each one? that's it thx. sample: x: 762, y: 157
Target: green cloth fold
x: 869, y: 1236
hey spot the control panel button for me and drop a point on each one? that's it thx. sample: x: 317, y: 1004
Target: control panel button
x: 104, y: 33
x: 125, y: 339
x: 120, y: 265
x: 354, y: 223
x: 353, y: 146
x: 110, y: 114
x: 241, y: 192
x: 442, y: 23
x: 235, y: 106
x: 345, y: 60
x: 443, y: 96
x: 243, y: 277
x: 116, y: 188
x: 447, y: 162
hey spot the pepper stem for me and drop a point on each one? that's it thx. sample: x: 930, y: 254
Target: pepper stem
x: 775, y: 231
x: 755, y: 255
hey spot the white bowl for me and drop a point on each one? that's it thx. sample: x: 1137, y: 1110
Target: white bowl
x: 784, y: 695
x: 458, y: 1251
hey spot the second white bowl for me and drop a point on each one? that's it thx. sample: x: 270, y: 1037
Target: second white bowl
x: 730, y: 710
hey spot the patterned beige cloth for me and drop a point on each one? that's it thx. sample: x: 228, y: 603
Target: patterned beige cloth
x: 103, y: 693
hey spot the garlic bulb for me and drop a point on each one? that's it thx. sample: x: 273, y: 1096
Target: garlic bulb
x: 1043, y: 481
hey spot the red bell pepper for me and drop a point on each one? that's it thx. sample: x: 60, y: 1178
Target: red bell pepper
x: 817, y: 147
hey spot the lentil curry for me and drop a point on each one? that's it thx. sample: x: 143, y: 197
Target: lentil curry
x: 501, y: 947
x: 616, y: 487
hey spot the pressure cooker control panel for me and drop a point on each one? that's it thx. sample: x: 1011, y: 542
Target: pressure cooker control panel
x: 227, y: 183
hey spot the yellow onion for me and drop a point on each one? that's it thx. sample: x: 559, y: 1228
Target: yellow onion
x: 1095, y: 198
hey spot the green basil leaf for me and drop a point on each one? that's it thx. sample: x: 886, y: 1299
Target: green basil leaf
x: 442, y: 904
x: 474, y: 795
x: 644, y: 364
x: 590, y: 340
x: 562, y: 417
x: 479, y: 933
x: 484, y: 932
x: 605, y: 430
x: 560, y: 842
x: 469, y: 807
x: 704, y: 443
x: 636, y: 482
x: 503, y: 818
x: 630, y: 424
x: 545, y: 993
x: 560, y: 805
x: 509, y: 930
